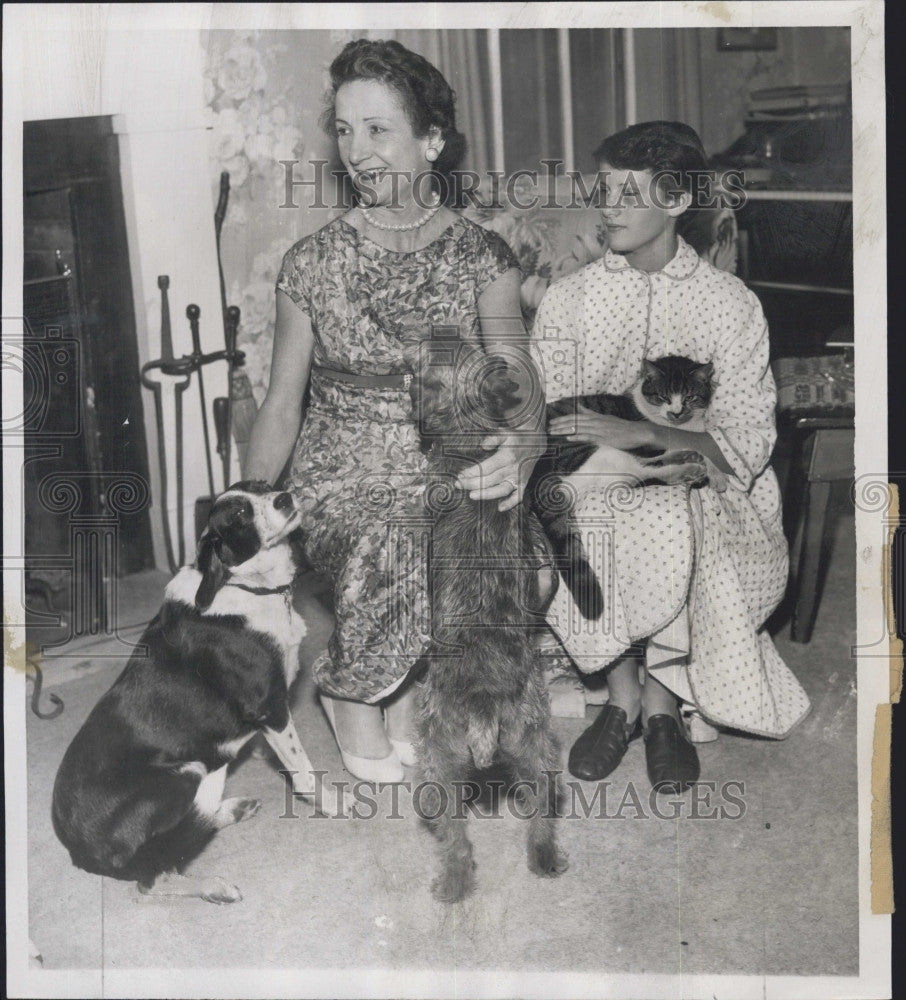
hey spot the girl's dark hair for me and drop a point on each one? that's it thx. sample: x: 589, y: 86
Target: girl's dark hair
x: 659, y: 146
x: 427, y: 98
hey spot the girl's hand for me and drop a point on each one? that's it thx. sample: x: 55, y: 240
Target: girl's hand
x: 603, y: 429
x: 504, y: 474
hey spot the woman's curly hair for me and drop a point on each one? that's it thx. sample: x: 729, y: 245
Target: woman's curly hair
x: 427, y: 98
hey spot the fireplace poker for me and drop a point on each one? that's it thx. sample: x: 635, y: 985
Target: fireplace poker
x: 181, y: 369
x: 168, y: 365
x: 193, y: 312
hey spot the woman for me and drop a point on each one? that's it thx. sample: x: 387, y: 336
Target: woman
x: 344, y: 296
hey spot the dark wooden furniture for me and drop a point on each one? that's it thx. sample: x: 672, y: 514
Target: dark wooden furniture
x: 85, y: 459
x: 796, y: 254
x: 816, y: 414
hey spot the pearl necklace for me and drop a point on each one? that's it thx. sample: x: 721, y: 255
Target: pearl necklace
x: 403, y: 227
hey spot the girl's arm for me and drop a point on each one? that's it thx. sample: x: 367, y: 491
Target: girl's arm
x: 741, y: 416
x: 613, y: 432
x: 517, y: 451
x: 277, y: 424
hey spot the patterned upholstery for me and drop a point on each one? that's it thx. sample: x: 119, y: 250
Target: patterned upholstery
x: 557, y: 234
x: 819, y: 386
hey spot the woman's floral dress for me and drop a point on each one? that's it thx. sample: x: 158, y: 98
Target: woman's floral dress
x: 357, y: 470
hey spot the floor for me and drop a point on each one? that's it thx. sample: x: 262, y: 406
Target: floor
x: 758, y: 876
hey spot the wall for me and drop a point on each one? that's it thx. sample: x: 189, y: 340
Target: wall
x: 682, y: 74
x: 264, y: 90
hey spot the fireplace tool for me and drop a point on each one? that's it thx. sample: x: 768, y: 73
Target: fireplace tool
x: 234, y: 413
x: 180, y: 370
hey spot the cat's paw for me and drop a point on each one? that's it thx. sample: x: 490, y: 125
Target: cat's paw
x: 677, y: 467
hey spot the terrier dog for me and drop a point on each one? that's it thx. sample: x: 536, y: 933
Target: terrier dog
x: 139, y: 791
x: 483, y: 699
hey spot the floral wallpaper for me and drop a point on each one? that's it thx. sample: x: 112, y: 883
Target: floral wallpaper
x: 263, y: 92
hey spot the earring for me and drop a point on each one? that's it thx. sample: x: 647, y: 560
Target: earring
x: 431, y: 154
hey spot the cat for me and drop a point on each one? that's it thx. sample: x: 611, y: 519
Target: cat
x: 671, y: 391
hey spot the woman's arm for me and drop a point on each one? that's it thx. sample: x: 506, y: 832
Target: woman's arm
x: 605, y: 429
x: 277, y: 424
x: 504, y: 474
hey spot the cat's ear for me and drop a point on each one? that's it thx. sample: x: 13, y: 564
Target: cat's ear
x: 651, y: 370
x: 703, y: 373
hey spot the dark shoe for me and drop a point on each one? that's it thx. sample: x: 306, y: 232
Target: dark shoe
x: 598, y: 751
x: 672, y: 761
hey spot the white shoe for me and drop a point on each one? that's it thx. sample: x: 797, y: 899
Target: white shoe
x: 382, y: 770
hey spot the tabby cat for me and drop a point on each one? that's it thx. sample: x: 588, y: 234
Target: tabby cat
x: 672, y: 391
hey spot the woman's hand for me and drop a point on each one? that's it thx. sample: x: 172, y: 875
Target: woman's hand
x: 603, y: 429
x: 504, y: 474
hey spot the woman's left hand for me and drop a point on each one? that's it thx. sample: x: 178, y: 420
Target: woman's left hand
x: 504, y: 474
x: 603, y: 429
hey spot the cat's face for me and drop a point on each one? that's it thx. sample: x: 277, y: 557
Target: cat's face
x: 674, y: 390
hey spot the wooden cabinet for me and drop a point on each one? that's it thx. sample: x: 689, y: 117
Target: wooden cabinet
x: 84, y: 439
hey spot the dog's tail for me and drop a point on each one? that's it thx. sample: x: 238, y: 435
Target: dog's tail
x: 482, y: 738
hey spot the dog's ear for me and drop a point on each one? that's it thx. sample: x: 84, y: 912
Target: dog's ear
x: 211, y: 567
x: 296, y: 539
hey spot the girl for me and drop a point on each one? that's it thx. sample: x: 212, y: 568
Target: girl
x: 692, y: 572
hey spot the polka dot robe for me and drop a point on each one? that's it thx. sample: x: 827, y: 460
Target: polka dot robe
x: 695, y: 571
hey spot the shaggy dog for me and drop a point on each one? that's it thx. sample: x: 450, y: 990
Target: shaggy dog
x: 483, y: 700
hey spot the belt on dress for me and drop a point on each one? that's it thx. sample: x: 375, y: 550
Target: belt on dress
x: 388, y: 380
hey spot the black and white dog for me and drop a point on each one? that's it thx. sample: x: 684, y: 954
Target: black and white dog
x: 139, y: 791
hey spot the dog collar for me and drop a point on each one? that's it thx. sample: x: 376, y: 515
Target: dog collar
x: 285, y: 589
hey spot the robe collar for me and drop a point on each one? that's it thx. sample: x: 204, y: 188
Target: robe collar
x: 680, y: 267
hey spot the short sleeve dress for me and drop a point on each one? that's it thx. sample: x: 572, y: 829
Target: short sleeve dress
x: 357, y: 469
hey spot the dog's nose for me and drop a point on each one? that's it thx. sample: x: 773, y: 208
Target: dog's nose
x: 283, y: 501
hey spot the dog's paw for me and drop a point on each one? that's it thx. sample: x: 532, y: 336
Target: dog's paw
x: 218, y: 890
x: 453, y: 887
x: 344, y: 806
x: 245, y: 809
x: 547, y: 860
x: 457, y: 877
